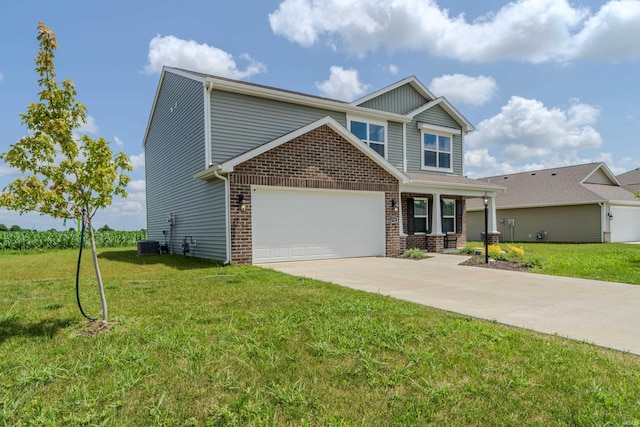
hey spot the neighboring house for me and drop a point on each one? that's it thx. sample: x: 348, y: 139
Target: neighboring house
x: 245, y: 173
x: 582, y: 203
x: 630, y: 181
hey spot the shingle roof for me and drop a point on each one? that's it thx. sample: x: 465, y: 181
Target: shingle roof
x: 631, y: 177
x: 558, y: 186
x: 630, y: 180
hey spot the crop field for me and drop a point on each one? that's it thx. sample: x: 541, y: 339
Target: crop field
x: 27, y: 240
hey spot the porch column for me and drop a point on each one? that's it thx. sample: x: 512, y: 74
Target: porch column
x: 436, y: 216
x: 493, y: 225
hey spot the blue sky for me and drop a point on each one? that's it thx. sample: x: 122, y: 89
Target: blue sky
x: 546, y: 82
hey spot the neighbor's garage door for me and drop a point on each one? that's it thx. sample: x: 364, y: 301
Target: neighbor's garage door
x: 625, y: 225
x: 291, y: 225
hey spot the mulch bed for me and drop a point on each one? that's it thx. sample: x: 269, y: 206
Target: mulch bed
x: 478, y: 261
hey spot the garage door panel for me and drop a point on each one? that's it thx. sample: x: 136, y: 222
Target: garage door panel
x: 315, y: 224
x: 625, y: 225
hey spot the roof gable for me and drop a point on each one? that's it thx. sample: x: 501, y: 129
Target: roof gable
x: 412, y: 81
x: 229, y: 165
x: 449, y: 108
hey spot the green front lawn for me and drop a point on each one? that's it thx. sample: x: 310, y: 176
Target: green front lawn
x: 192, y: 343
x: 614, y: 262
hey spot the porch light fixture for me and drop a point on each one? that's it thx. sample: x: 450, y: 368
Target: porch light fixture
x: 394, y: 205
x: 241, y: 203
x: 485, y: 200
x: 610, y: 215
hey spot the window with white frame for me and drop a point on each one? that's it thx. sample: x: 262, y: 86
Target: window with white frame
x: 436, y: 151
x: 372, y: 134
x: 449, y: 216
x: 420, y: 216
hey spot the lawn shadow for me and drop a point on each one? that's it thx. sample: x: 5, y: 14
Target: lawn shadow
x: 16, y: 327
x: 179, y: 262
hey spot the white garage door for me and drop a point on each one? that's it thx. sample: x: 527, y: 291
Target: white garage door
x: 625, y: 225
x: 291, y: 225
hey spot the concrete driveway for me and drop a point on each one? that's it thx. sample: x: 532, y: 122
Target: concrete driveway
x: 602, y: 313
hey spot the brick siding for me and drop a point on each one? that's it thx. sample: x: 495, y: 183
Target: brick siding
x: 319, y: 159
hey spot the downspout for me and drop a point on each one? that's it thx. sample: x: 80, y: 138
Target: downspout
x: 208, y: 87
x: 227, y: 215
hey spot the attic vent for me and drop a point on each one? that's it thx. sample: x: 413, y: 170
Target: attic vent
x: 554, y: 174
x: 506, y: 177
x: 533, y: 174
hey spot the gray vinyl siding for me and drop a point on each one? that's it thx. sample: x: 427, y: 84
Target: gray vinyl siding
x: 394, y: 148
x: 399, y: 101
x: 240, y: 123
x: 174, y: 152
x: 434, y: 116
x: 577, y: 224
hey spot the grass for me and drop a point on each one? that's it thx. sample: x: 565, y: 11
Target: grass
x: 615, y: 262
x: 193, y: 343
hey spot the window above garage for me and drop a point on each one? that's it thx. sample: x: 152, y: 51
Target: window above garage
x: 372, y: 133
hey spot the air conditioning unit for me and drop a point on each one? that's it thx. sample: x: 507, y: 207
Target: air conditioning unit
x: 148, y: 247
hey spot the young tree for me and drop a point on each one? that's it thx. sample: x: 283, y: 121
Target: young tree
x: 63, y: 176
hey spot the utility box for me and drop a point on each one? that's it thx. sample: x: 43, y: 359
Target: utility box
x: 148, y: 247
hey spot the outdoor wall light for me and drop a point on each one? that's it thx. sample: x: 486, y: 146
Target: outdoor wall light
x: 610, y: 215
x: 241, y: 203
x: 394, y: 205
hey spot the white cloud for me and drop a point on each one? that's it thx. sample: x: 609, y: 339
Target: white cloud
x: 527, y: 135
x: 526, y: 128
x: 458, y: 88
x: 137, y: 161
x: 392, y: 69
x: 524, y: 30
x: 188, y: 54
x: 118, y: 141
x: 342, y: 84
x: 1, y: 77
x: 137, y: 185
x: 89, y: 126
x: 612, y: 33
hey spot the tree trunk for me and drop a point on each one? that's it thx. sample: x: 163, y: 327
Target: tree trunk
x: 103, y: 300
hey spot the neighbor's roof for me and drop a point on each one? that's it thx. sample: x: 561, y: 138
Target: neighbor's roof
x: 579, y: 184
x: 630, y: 180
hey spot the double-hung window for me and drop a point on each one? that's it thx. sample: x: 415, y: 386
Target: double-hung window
x: 420, y: 216
x: 436, y: 151
x: 436, y: 147
x: 449, y: 216
x: 371, y: 133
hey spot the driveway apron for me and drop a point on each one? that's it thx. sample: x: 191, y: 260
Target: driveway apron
x: 603, y: 313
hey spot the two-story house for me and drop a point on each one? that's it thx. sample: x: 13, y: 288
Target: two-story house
x: 245, y: 173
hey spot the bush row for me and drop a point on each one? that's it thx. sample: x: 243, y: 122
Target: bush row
x: 23, y: 240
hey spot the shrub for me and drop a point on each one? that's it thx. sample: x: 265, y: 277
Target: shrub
x: 516, y: 251
x: 414, y: 253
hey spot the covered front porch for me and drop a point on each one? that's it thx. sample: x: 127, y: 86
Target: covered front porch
x: 433, y: 211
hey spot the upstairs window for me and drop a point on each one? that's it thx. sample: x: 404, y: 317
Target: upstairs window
x: 372, y: 134
x: 436, y: 151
